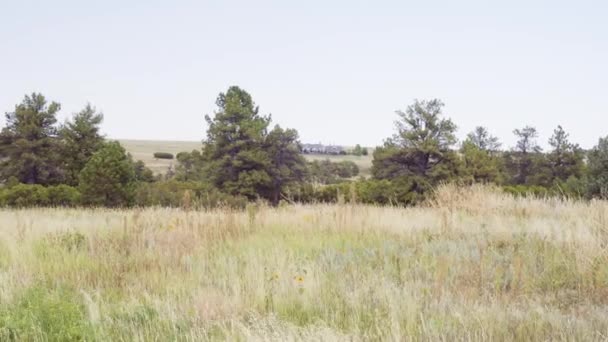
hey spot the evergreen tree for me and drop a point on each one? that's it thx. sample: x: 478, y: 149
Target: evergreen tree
x: 566, y: 158
x: 142, y: 172
x: 29, y: 143
x: 358, y: 151
x: 480, y: 165
x: 598, y: 170
x: 420, y: 151
x: 190, y: 166
x: 482, y: 139
x: 80, y: 140
x: 524, y: 157
x: 108, y: 178
x: 287, y: 166
x: 234, y: 155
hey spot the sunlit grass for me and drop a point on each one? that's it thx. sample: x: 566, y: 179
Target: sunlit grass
x: 474, y: 264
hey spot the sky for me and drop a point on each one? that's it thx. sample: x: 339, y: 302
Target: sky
x: 335, y: 70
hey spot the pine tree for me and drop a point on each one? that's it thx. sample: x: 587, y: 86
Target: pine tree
x: 108, y: 178
x: 482, y: 139
x: 29, y: 144
x: 598, y: 170
x: 525, y: 157
x: 420, y: 151
x: 287, y: 166
x: 80, y: 139
x: 234, y: 155
x: 190, y: 166
x: 566, y: 158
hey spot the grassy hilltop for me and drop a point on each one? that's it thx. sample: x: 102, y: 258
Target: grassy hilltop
x: 473, y: 264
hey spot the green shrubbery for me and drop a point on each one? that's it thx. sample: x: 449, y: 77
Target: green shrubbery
x: 328, y: 172
x: 35, y: 195
x: 25, y: 195
x: 163, y: 155
x: 63, y: 195
x: 367, y: 191
x: 185, y: 194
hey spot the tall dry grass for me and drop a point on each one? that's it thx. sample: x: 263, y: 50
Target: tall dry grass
x: 472, y: 264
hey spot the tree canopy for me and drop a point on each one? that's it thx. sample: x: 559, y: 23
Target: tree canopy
x: 29, y: 143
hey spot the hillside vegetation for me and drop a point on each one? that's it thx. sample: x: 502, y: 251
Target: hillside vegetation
x: 472, y: 263
x: 144, y: 150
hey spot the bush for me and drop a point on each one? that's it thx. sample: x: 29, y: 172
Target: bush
x: 328, y: 172
x: 63, y: 196
x: 175, y: 194
x: 163, y: 155
x: 376, y: 192
x: 399, y: 192
x: 526, y: 191
x: 25, y: 195
x: 35, y: 195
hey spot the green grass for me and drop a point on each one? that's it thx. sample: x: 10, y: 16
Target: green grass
x: 476, y: 265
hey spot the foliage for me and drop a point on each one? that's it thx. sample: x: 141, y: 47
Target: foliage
x: 80, y: 139
x: 242, y: 158
x: 525, y: 156
x: 142, y: 173
x: 566, y: 159
x: 163, y: 155
x: 29, y: 143
x: 420, y: 153
x: 36, y: 195
x: 235, y: 161
x: 480, y: 165
x: 177, y: 194
x: 359, y: 151
x: 328, y: 172
x: 108, y: 179
x: 598, y: 170
x: 190, y: 166
x: 286, y: 165
x: 482, y: 140
x: 25, y: 195
x: 63, y: 196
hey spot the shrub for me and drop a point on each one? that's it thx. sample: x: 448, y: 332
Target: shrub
x: 328, y: 172
x: 375, y: 192
x: 163, y: 155
x: 525, y: 191
x: 175, y: 194
x: 25, y: 195
x: 63, y: 195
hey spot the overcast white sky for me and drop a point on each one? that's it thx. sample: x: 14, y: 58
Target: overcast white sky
x: 334, y: 70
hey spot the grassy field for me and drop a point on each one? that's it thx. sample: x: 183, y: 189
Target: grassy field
x: 144, y: 149
x: 473, y: 265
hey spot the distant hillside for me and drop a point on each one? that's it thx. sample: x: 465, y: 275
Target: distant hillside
x: 144, y: 149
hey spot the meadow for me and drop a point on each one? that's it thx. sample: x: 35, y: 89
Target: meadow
x: 471, y: 264
x: 144, y: 149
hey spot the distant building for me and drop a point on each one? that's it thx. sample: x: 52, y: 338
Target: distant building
x: 322, y: 149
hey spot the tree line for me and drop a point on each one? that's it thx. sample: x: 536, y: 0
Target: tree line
x: 244, y: 158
